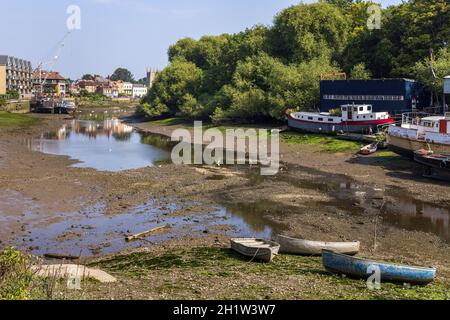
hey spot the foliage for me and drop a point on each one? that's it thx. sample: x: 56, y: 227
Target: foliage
x: 13, y: 94
x: 16, y: 275
x: 441, y: 66
x: 88, y: 77
x: 359, y: 72
x: 122, y: 74
x: 264, y: 71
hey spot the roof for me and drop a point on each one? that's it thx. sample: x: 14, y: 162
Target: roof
x: 433, y: 118
x: 50, y: 75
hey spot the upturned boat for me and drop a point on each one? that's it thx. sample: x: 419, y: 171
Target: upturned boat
x: 314, y: 248
x: 362, y: 268
x: 353, y: 119
x: 257, y: 249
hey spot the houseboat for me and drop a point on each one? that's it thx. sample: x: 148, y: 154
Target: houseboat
x: 353, y: 119
x: 420, y: 132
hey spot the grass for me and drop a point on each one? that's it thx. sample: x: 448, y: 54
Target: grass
x: 327, y: 144
x: 235, y: 277
x: 9, y: 120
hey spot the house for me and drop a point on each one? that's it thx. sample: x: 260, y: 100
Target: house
x: 139, y: 90
x: 395, y: 96
x: 50, y: 82
x: 128, y: 89
x: 15, y: 74
x: 89, y: 85
x: 108, y: 90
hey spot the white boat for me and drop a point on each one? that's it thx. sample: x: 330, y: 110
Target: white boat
x: 314, y: 248
x: 354, y: 119
x: 257, y: 249
x: 418, y: 132
x: 369, y: 149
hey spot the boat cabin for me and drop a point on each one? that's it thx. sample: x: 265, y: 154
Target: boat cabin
x: 354, y: 112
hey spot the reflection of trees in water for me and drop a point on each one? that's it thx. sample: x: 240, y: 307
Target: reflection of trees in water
x: 157, y: 141
x: 122, y: 136
x: 253, y: 214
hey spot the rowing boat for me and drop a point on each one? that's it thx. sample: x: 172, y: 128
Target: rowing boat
x: 369, y: 149
x: 362, y: 268
x: 257, y: 249
x: 314, y: 248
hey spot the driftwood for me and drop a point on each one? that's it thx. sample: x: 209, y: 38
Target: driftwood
x: 60, y: 256
x: 145, y: 233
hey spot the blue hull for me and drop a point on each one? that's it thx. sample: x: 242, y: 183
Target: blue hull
x: 358, y: 268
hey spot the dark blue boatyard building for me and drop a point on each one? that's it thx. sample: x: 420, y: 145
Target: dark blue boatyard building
x: 395, y: 96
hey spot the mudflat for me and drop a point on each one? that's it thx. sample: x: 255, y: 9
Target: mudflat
x: 382, y: 201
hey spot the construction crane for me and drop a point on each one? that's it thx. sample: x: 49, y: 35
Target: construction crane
x: 51, y: 63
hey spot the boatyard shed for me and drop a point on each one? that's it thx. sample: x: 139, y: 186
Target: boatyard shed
x: 395, y: 96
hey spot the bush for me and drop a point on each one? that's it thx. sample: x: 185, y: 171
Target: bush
x: 16, y: 275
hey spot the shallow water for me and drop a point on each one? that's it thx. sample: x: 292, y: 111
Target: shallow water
x: 106, y: 145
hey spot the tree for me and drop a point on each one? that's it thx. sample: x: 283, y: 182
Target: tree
x: 440, y: 65
x: 88, y: 77
x: 305, y: 31
x: 122, y: 74
x: 171, y: 86
x: 359, y: 72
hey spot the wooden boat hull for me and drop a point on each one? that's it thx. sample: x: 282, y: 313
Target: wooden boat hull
x: 314, y: 248
x: 256, y: 249
x: 436, y: 166
x: 406, y: 147
x: 360, y: 268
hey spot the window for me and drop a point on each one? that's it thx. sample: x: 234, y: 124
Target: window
x: 355, y: 109
x: 369, y: 108
x: 344, y: 109
x: 320, y: 119
x: 361, y: 108
x: 310, y: 118
x: 330, y: 120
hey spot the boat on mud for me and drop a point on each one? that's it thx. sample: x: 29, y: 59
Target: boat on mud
x: 437, y: 166
x: 369, y: 149
x: 362, y: 268
x: 353, y: 119
x: 314, y: 248
x: 419, y: 131
x: 257, y: 249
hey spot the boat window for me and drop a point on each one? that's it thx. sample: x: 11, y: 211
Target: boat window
x: 344, y: 109
x: 330, y: 120
x: 371, y: 116
x: 310, y: 118
x: 320, y: 119
x: 364, y: 117
x: 361, y: 108
x: 369, y: 108
x: 355, y: 109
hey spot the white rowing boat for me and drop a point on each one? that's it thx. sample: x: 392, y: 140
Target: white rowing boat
x: 314, y: 248
x: 256, y: 249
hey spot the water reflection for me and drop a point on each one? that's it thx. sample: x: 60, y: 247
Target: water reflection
x: 108, y: 145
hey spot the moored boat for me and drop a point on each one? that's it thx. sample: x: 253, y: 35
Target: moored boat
x: 437, y: 166
x: 257, y: 249
x: 363, y: 268
x: 314, y: 248
x: 419, y: 131
x: 353, y: 119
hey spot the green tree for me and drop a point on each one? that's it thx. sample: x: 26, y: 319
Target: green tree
x: 359, y: 72
x: 88, y: 77
x: 171, y: 86
x: 305, y: 31
x: 122, y: 74
x: 431, y: 72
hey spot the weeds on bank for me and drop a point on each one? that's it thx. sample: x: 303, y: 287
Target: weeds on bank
x: 8, y: 120
x: 222, y: 266
x: 327, y: 144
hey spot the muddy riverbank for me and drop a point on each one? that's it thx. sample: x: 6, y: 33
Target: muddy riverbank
x: 47, y: 205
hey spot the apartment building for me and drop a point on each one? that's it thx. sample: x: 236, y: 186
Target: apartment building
x: 15, y: 74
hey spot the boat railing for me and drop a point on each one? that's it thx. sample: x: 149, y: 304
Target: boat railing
x: 414, y: 118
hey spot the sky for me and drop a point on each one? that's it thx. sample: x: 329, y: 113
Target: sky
x: 134, y: 34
